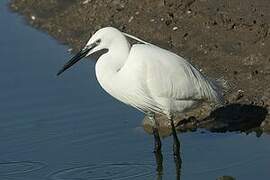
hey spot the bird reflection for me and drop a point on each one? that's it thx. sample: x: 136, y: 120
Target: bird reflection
x: 159, y: 162
x: 177, y: 161
x: 178, y: 164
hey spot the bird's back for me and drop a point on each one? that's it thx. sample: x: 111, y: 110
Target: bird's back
x: 168, y: 82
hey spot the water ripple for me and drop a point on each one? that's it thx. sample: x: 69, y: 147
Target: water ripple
x: 19, y: 167
x: 112, y: 171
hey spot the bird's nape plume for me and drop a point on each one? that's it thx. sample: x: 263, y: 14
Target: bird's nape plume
x: 135, y: 38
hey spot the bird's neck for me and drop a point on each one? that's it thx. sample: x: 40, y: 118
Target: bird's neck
x: 109, y: 65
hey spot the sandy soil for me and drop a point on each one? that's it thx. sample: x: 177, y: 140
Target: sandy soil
x: 225, y: 39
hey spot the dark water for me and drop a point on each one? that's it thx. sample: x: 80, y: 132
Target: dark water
x: 69, y: 128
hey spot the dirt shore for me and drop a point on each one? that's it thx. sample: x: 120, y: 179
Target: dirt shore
x: 225, y: 39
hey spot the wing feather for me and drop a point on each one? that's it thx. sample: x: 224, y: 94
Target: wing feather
x: 158, y: 73
x: 171, y: 76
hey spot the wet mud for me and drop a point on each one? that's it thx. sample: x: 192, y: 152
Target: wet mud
x: 224, y: 39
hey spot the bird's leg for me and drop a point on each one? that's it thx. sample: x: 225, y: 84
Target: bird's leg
x: 157, y: 146
x: 176, y: 143
x: 157, y: 140
x: 176, y: 150
x: 155, y: 133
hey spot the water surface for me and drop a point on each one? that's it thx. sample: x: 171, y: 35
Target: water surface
x: 68, y: 128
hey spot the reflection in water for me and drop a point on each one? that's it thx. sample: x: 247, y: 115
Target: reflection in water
x: 177, y: 161
x: 178, y: 164
x: 159, y: 162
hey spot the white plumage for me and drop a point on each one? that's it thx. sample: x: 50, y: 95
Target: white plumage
x: 150, y: 78
x: 145, y: 76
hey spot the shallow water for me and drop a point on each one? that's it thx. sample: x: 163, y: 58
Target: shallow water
x: 67, y: 127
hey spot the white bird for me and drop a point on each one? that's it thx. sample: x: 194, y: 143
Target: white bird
x: 147, y: 77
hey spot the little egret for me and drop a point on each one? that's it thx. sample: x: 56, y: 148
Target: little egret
x: 147, y: 77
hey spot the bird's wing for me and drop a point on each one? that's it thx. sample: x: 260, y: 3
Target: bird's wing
x: 167, y: 75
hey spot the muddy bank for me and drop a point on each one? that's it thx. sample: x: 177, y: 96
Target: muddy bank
x: 228, y: 39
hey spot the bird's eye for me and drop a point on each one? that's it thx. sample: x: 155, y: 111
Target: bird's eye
x: 98, y: 41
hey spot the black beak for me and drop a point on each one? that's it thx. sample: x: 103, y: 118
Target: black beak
x: 76, y: 58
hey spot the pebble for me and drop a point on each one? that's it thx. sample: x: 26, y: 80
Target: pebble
x: 86, y: 1
x: 175, y: 28
x: 240, y: 94
x: 33, y: 17
x: 226, y: 178
x: 130, y: 19
x: 252, y: 59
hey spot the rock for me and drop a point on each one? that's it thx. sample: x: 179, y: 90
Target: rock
x: 226, y: 178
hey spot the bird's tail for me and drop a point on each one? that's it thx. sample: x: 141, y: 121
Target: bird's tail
x: 209, y: 89
x: 218, y: 87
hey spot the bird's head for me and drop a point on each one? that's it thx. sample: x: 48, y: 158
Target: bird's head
x: 101, y: 41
